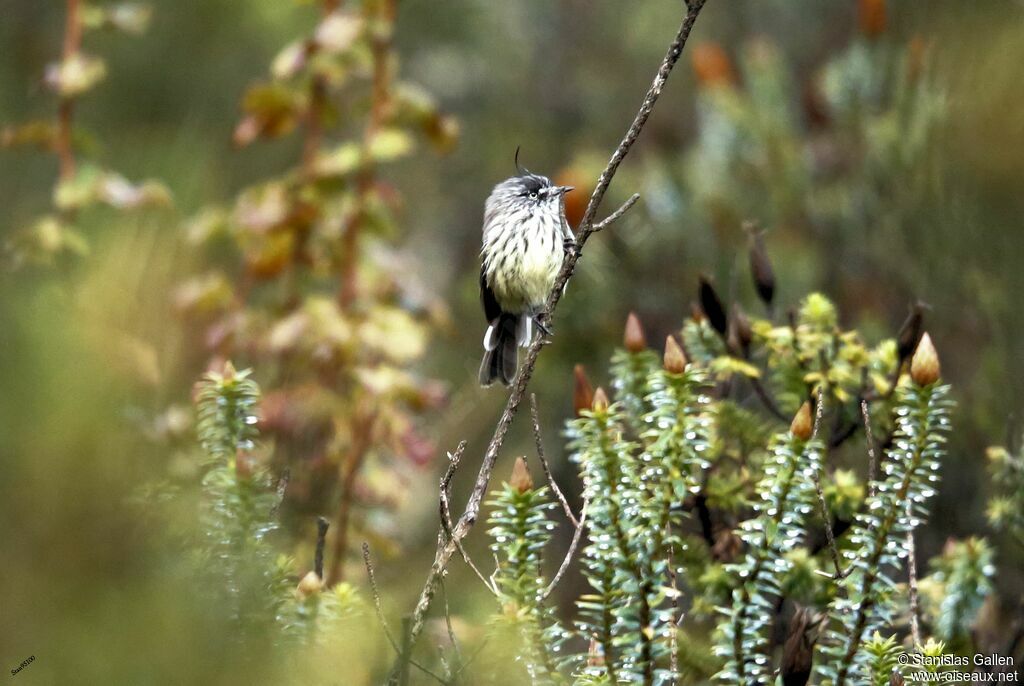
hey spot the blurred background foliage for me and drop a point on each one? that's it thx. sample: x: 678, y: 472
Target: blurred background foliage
x: 878, y: 145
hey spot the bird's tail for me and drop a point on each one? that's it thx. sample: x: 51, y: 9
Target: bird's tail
x: 500, y: 356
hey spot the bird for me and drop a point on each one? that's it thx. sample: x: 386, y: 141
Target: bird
x: 525, y: 240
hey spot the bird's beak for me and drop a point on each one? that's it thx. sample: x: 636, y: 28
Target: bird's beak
x: 562, y: 190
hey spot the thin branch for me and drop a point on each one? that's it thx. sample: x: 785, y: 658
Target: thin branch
x: 446, y: 516
x: 617, y: 214
x: 869, y: 437
x: 915, y: 629
x: 375, y: 591
x: 535, y: 416
x: 380, y: 613
x: 826, y: 518
x: 451, y: 630
x: 469, y: 515
x: 66, y: 107
x: 576, y: 536
x: 767, y: 400
x: 358, y: 451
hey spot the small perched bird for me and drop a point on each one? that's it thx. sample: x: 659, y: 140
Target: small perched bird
x: 525, y: 238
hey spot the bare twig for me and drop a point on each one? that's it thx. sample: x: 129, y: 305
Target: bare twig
x: 446, y: 516
x: 380, y: 615
x: 915, y: 629
x: 826, y: 517
x: 535, y: 416
x: 617, y: 214
x: 586, y: 227
x: 869, y: 437
x: 576, y: 536
x: 376, y: 596
x: 767, y: 400
x: 451, y: 630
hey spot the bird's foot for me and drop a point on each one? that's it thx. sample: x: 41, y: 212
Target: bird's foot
x: 569, y: 245
x: 543, y: 322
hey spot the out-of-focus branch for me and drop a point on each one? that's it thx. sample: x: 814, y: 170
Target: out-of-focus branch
x: 576, y: 536
x: 66, y: 108
x: 586, y: 227
x: 361, y: 441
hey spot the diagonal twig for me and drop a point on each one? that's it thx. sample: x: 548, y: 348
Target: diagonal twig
x: 446, y: 516
x: 535, y: 416
x: 586, y: 228
x: 826, y: 517
x: 617, y: 214
x: 380, y: 615
x: 577, y: 534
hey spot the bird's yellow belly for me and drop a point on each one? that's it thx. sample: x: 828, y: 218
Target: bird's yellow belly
x: 523, y: 282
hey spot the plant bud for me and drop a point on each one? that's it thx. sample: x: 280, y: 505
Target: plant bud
x: 803, y: 425
x: 595, y: 658
x: 634, y: 340
x: 910, y: 332
x: 712, y: 65
x: 582, y: 392
x: 760, y: 266
x: 675, y: 359
x: 310, y: 585
x: 600, y: 400
x: 520, y: 479
x: 924, y: 366
x: 740, y: 328
x: 712, y: 306
x: 896, y: 679
x: 696, y: 314
x: 872, y: 16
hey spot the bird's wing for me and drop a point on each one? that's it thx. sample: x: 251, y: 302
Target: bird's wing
x: 491, y: 307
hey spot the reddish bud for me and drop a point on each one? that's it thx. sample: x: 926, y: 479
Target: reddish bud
x: 924, y: 366
x: 600, y: 400
x: 712, y: 66
x: 802, y: 426
x: 760, y: 266
x: 675, y: 359
x: 712, y: 306
x: 595, y: 658
x: 872, y: 15
x: 634, y: 340
x: 310, y: 585
x: 740, y: 330
x: 582, y: 392
x: 521, y: 480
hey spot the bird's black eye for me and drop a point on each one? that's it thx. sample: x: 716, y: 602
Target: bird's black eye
x: 533, y: 194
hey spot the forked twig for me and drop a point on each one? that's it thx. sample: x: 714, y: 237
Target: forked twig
x: 576, y: 536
